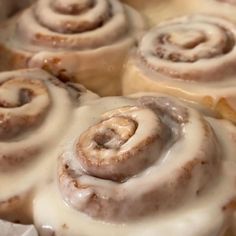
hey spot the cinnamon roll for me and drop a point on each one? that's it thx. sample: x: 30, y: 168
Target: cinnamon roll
x: 193, y: 57
x: 35, y: 109
x: 82, y: 41
x: 141, y: 165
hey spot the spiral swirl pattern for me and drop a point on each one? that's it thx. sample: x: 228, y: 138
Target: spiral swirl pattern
x: 28, y: 104
x: 107, y: 142
x: 116, y: 169
x: 69, y: 38
x: 74, y: 25
x: 192, y: 57
x: 197, y: 47
x: 14, y: 95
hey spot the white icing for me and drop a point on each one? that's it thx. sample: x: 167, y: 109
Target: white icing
x: 194, y: 220
x: 208, y: 48
x: 47, y: 136
x: 208, y: 81
x: 112, y: 30
x: 196, y: 217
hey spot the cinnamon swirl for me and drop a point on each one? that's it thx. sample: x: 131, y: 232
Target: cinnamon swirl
x: 193, y: 57
x: 83, y: 41
x: 35, y: 109
x: 142, y: 165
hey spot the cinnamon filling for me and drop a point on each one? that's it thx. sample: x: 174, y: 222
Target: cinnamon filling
x: 108, y: 140
x: 17, y: 98
x: 101, y: 146
x: 74, y: 25
x: 72, y: 7
x: 183, y: 39
x: 25, y: 96
x: 178, y: 48
x: 74, y: 16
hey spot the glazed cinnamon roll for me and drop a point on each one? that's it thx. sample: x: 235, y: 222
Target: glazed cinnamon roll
x: 82, y: 41
x: 35, y: 109
x: 193, y: 57
x: 141, y: 165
